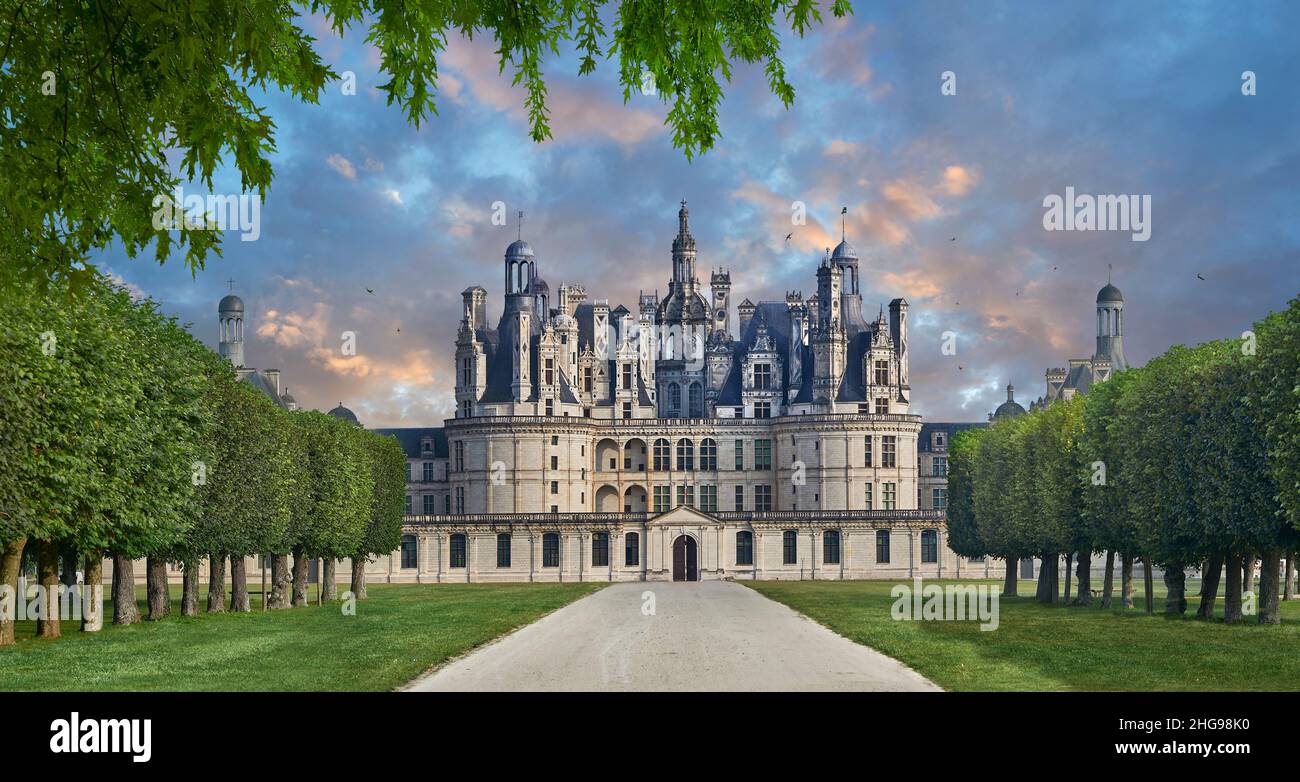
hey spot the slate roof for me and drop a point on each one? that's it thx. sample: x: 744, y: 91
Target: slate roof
x: 411, y: 437
x: 928, y: 429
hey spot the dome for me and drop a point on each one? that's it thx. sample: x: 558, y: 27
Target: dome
x: 519, y: 249
x: 844, y: 252
x: 1009, y: 408
x: 539, y: 286
x: 345, y: 414
x: 1109, y: 293
x: 231, y: 303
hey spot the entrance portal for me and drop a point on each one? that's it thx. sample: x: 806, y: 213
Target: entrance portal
x: 684, y: 559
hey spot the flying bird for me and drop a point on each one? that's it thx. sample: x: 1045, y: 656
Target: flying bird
x: 371, y: 291
x: 953, y: 239
x: 1198, y: 276
x: 787, y: 236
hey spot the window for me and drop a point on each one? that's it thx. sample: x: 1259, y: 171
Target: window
x: 631, y: 549
x: 663, y: 497
x: 939, y: 466
x: 426, y: 473
x: 686, y: 496
x: 600, y: 549
x: 550, y: 407
x: 627, y: 410
x: 882, y: 546
x: 409, y: 552
x: 744, y: 548
x: 662, y: 454
x: 831, y: 547
x: 551, y: 550
x: 882, y: 406
x: 685, y: 454
x: 762, y: 409
x: 762, y: 498
x: 888, y: 450
x: 409, y: 468
x: 408, y: 505
x: 429, y: 508
x: 555, y: 462
x: 457, y: 558
x: 709, y: 454
x: 503, y: 550
x: 555, y: 487
x: 674, y: 398
x: 882, y: 373
x: 762, y: 377
x: 460, y: 456
x: 588, y: 384
x: 888, y: 496
x: 697, y: 400
x: 740, y: 498
x: 549, y: 373
x: 940, y: 499
x: 460, y: 499
x: 866, y: 450
x: 864, y: 408
x: 740, y: 454
x: 929, y: 546
x: 790, y: 547
x: 762, y: 454
x: 627, y: 376
x: 940, y: 441
x: 709, y: 499
x: 446, y: 504
x: 869, y: 498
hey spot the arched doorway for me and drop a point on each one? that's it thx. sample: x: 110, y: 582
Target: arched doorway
x: 684, y: 559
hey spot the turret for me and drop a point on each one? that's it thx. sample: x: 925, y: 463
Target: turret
x: 230, y: 321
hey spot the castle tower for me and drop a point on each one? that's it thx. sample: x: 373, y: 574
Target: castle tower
x: 684, y: 250
x: 230, y: 321
x: 898, y: 330
x: 720, y: 286
x: 1110, y: 327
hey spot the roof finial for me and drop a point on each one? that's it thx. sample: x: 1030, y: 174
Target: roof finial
x: 1108, y: 270
x: 844, y: 210
x: 1011, y: 393
x: 521, y: 225
x: 231, y: 283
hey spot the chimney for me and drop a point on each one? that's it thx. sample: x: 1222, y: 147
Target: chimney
x: 274, y: 376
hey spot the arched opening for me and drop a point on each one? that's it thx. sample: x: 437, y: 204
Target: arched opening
x: 607, y: 500
x: 697, y: 401
x: 634, y: 500
x: 674, y: 398
x: 684, y: 559
x: 634, y: 455
x: 606, y: 455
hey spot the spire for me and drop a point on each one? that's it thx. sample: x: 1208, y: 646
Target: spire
x: 520, y: 227
x: 1011, y: 393
x: 683, y: 220
x: 844, y: 210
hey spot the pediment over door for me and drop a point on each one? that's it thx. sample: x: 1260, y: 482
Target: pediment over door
x: 683, y: 515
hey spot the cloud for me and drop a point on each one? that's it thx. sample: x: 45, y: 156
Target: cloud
x: 342, y: 165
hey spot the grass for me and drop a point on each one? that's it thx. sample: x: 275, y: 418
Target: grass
x: 1037, y: 647
x: 399, y: 632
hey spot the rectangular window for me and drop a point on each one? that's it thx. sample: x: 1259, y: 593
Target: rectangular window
x: 744, y: 548
x: 460, y: 499
x: 555, y: 462
x: 929, y: 546
x: 550, y: 372
x: 882, y: 406
x: 460, y: 456
x: 408, y: 505
x: 887, y: 496
x: 709, y: 499
x: 763, y: 498
x: 550, y: 550
x: 627, y: 376
x: 627, y: 410
x: 939, y: 466
x: 600, y: 549
x: 429, y: 509
x: 790, y: 547
x: 762, y: 454
x: 555, y: 487
x: 882, y: 546
x: 409, y: 468
x: 740, y: 455
x: 446, y: 504
x: 410, y: 552
x: 762, y: 377
x: 663, y: 496
x: 550, y: 407
x: 882, y: 373
x: 740, y: 498
x: 587, y: 382
x: 457, y: 556
x: 503, y: 550
x: 831, y: 547
x: 762, y: 409
x: 427, y: 472
x: 866, y: 450
x: 686, y: 496
x: 869, y: 498
x: 631, y: 549
x: 888, y: 451
x: 940, y: 497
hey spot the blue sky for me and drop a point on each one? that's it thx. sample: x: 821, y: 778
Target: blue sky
x: 1107, y: 98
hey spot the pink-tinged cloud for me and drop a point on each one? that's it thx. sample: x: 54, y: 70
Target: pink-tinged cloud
x: 342, y: 165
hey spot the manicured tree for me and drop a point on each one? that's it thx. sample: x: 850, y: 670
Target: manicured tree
x: 1105, y: 509
x: 335, y: 510
x: 963, y: 531
x: 387, y: 505
x: 1048, y: 484
x: 990, y: 476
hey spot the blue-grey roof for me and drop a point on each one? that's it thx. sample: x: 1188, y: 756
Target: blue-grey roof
x: 1109, y: 293
x: 263, y: 383
x: 230, y: 303
x: 411, y: 438
x: 928, y: 429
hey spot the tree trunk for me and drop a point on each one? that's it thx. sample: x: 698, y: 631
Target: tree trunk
x: 190, y: 588
x: 1175, y: 590
x: 239, y: 602
x: 92, y: 593
x: 1108, y: 583
x: 1083, y: 575
x: 1069, y: 558
x: 125, y: 611
x: 1210, y: 586
x: 1270, y: 612
x: 11, y: 559
x: 299, y: 578
x: 1248, y: 572
x: 216, y: 584
x: 279, y: 582
x: 1054, y: 584
x: 1148, y: 582
x: 1040, y: 589
x: 70, y: 562
x: 329, y: 586
x: 359, y: 578
x: 1126, y: 580
x: 160, y: 604
x: 1010, y: 584
x: 47, y: 566
x: 1289, y: 588
x: 1232, y: 588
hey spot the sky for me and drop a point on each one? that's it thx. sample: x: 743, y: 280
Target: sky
x: 945, y: 195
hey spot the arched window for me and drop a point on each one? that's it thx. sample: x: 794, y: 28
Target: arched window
x: 674, y: 398
x: 551, y: 550
x: 929, y: 545
x: 790, y: 547
x: 685, y: 454
x: 457, y: 551
x: 632, y: 549
x: 744, y: 548
x: 708, y: 454
x: 409, y: 552
x: 503, y: 550
x: 697, y: 401
x: 831, y: 547
x: 599, y: 549
x: 663, y: 454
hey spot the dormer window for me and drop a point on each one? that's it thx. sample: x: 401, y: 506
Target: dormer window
x: 882, y: 373
x: 762, y: 377
x: 940, y: 441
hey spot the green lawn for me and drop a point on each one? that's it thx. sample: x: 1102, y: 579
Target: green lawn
x: 1036, y: 647
x: 396, y: 634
